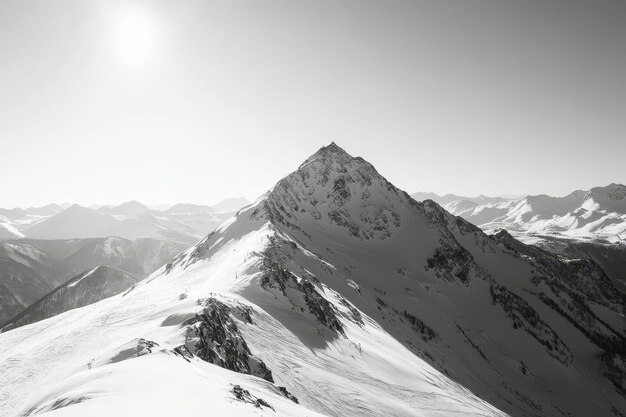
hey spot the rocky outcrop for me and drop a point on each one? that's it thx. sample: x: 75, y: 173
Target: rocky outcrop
x: 300, y: 292
x: 213, y: 336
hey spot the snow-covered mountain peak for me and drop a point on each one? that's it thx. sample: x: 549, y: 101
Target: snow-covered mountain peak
x: 334, y: 187
x: 611, y: 198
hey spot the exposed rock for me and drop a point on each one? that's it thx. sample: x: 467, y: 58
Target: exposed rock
x: 214, y: 337
x: 245, y: 396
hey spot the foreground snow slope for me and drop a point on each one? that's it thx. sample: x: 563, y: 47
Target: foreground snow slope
x: 86, y: 358
x: 350, y: 295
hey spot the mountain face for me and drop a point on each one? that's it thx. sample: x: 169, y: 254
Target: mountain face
x: 31, y: 268
x: 86, y: 288
x: 335, y: 293
x: 26, y: 273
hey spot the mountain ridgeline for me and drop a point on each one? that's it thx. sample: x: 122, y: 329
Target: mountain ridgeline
x: 496, y: 315
x: 337, y: 293
x: 86, y: 288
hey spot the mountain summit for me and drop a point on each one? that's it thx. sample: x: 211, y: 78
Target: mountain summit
x: 336, y: 293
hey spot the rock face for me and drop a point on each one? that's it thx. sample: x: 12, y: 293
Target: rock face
x: 213, y: 336
x: 360, y: 301
x: 87, y: 288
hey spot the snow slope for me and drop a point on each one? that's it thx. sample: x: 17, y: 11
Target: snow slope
x: 351, y: 295
x: 82, y: 358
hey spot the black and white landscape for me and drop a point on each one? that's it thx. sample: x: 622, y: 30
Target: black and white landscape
x: 312, y: 208
x: 334, y: 293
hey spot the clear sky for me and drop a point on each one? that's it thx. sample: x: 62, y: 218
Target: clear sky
x: 194, y: 101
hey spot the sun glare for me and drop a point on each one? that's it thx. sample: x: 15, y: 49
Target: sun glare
x: 133, y: 35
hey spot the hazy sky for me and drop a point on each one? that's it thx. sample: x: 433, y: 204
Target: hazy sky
x: 194, y: 101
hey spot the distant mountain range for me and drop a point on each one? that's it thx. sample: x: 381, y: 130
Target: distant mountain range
x: 31, y: 268
x: 131, y: 220
x: 86, y: 288
x: 591, y: 215
x: 587, y: 224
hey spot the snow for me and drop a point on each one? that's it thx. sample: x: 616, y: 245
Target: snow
x: 8, y: 231
x: 86, y: 275
x: 65, y: 357
x: 367, y: 251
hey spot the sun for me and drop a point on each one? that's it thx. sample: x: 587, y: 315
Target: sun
x: 133, y: 35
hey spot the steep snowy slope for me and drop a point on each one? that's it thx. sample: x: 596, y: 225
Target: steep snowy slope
x: 86, y: 288
x: 348, y: 293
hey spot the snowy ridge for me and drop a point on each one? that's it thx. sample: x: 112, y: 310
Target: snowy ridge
x: 352, y: 297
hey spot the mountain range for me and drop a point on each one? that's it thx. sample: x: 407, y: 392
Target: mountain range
x: 587, y: 224
x: 591, y: 215
x: 182, y: 222
x: 31, y: 268
x: 86, y: 288
x: 335, y: 293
